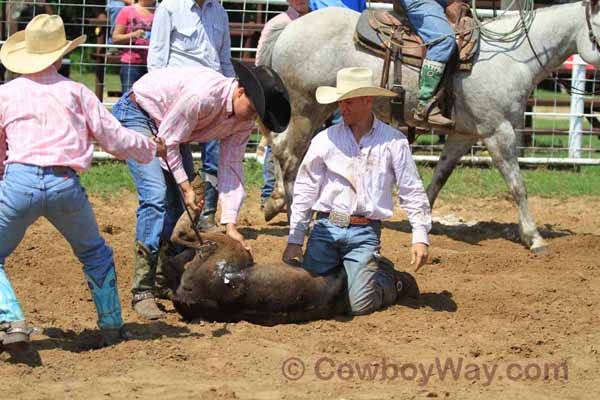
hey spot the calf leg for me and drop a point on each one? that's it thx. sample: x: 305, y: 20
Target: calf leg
x: 502, y: 147
x: 456, y: 146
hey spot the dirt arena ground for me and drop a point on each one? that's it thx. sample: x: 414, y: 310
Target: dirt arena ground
x: 500, y: 317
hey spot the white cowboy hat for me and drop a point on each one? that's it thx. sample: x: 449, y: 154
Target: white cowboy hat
x: 40, y: 45
x: 351, y: 82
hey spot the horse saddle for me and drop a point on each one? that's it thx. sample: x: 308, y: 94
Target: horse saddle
x: 378, y: 30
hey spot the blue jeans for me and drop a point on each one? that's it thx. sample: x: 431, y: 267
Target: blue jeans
x: 268, y: 173
x: 113, y: 7
x: 210, y: 166
x: 160, y: 205
x: 330, y: 246
x: 429, y: 19
x: 130, y: 73
x: 28, y: 192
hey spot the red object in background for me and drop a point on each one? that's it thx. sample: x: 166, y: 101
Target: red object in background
x: 568, y: 65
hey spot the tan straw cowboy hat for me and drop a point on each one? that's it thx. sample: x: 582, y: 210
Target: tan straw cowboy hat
x: 40, y: 45
x: 351, y: 82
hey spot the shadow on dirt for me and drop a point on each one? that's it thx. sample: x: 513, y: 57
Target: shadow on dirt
x: 480, y: 231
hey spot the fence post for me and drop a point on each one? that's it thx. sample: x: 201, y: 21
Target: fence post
x: 576, y: 118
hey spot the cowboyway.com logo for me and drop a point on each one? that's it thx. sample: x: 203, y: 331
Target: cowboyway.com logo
x: 448, y: 369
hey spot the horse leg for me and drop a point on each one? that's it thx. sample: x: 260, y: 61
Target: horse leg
x: 456, y: 146
x: 276, y: 202
x: 503, y: 149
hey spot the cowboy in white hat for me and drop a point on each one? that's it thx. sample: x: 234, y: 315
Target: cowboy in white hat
x: 347, y: 177
x: 48, y: 122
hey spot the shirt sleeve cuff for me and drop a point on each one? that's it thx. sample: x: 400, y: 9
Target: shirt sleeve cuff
x: 180, y: 175
x: 420, y: 236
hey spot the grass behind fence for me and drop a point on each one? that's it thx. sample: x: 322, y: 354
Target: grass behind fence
x: 107, y: 179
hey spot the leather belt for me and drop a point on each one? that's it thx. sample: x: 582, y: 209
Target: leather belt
x: 133, y: 99
x: 343, y: 220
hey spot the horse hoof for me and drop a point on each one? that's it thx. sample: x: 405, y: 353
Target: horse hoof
x: 545, y: 249
x: 272, y: 209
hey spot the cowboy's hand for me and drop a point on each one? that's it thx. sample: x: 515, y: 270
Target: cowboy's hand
x: 292, y: 255
x: 161, y: 147
x: 189, y: 197
x: 419, y: 253
x: 233, y: 233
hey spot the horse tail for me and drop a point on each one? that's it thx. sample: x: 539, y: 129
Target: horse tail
x: 266, y: 54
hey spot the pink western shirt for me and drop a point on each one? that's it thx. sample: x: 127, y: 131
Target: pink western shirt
x: 195, y: 104
x: 338, y: 174
x: 280, y: 19
x: 49, y: 120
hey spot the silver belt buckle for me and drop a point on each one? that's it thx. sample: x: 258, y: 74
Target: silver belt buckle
x: 339, y: 218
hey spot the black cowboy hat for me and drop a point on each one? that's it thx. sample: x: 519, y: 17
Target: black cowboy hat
x: 268, y: 94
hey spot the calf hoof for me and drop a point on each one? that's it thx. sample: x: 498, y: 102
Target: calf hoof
x: 273, y: 207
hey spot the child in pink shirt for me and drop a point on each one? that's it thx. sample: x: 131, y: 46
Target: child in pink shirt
x: 133, y: 26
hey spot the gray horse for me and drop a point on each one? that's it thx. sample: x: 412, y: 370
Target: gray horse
x: 490, y: 100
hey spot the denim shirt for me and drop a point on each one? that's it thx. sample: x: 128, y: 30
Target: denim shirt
x: 184, y: 34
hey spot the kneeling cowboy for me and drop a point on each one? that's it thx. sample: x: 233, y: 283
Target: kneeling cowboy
x: 49, y: 122
x: 347, y: 177
x: 183, y: 105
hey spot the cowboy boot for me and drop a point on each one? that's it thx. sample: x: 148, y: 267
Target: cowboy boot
x: 405, y: 284
x: 163, y: 283
x: 144, y: 275
x: 14, y: 336
x: 102, y: 282
x: 426, y: 112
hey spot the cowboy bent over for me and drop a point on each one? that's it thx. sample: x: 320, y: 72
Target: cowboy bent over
x: 347, y: 177
x: 49, y: 122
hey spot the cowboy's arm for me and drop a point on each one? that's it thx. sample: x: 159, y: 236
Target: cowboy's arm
x: 411, y: 194
x: 2, y: 151
x: 413, y: 199
x: 158, y: 52
x: 225, y: 56
x: 231, y: 175
x: 112, y: 136
x: 306, y: 193
x: 176, y: 128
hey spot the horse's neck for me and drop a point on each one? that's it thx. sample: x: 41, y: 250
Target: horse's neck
x: 553, y: 35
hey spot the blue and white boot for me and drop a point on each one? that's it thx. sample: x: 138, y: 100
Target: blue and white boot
x: 103, y: 285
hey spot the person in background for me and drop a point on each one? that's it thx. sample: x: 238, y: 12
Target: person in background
x: 133, y: 27
x: 113, y: 7
x: 296, y: 9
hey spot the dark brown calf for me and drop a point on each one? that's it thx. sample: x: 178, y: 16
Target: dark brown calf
x: 221, y: 283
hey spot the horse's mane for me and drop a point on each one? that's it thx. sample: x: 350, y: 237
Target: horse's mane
x: 266, y: 56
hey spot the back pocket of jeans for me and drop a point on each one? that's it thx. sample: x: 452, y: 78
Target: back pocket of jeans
x: 14, y: 204
x: 71, y: 199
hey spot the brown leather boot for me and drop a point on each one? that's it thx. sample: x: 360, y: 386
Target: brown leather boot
x: 144, y: 304
x: 434, y: 118
x: 14, y: 337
